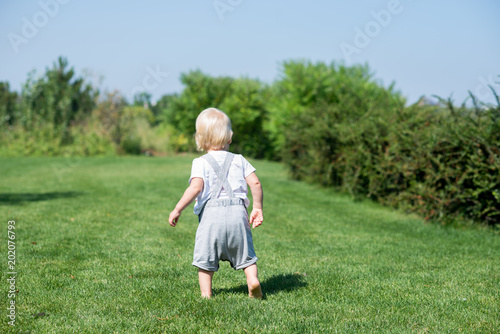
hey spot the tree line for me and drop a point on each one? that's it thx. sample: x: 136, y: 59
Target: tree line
x: 332, y: 124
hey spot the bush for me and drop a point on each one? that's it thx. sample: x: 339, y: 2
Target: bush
x: 128, y: 127
x: 461, y: 178
x: 440, y: 161
x: 305, y: 87
x: 243, y: 100
x: 330, y: 116
x: 131, y: 145
x: 85, y: 140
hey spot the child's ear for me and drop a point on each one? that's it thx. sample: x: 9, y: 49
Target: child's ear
x: 231, y: 138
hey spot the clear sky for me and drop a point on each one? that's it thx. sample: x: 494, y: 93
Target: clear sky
x: 428, y: 47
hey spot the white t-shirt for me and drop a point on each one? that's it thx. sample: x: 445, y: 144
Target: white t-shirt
x: 239, y: 170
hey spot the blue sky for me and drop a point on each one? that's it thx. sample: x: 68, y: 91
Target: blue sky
x: 426, y: 47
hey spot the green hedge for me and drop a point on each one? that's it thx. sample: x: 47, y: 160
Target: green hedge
x: 440, y: 161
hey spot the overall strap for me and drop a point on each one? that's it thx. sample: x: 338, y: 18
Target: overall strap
x: 221, y: 172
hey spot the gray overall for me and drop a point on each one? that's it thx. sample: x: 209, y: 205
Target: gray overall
x: 223, y: 233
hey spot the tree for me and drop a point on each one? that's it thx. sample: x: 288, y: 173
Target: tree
x: 243, y: 100
x: 201, y: 91
x: 142, y: 99
x: 57, y: 98
x: 8, y: 105
x: 161, y: 107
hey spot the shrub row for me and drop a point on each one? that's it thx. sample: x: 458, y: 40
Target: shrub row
x: 440, y: 161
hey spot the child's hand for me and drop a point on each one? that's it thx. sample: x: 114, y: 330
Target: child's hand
x: 256, y: 218
x: 174, y: 217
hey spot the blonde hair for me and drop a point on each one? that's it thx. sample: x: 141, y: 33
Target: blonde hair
x: 213, y: 130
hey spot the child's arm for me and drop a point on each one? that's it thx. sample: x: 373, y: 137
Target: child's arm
x: 256, y: 217
x: 190, y: 194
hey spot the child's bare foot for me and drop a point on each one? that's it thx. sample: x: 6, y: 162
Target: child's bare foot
x: 255, y: 291
x: 206, y: 296
x: 205, y: 278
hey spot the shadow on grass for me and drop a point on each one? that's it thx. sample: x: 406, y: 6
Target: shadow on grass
x: 272, y: 285
x: 21, y: 198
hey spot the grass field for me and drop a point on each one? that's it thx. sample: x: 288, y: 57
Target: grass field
x: 95, y: 254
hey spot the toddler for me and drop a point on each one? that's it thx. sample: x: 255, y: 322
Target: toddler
x: 219, y: 182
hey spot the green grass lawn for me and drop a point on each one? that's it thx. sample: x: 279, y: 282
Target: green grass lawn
x: 95, y: 254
